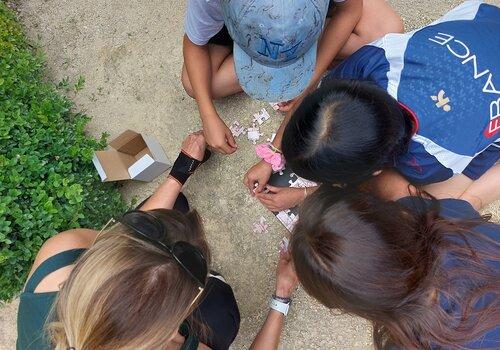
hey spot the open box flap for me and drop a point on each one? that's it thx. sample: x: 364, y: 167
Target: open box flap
x: 128, y: 142
x: 140, y: 165
x: 156, y: 151
x: 113, y: 165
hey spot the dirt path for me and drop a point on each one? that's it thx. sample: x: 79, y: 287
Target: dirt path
x: 130, y: 55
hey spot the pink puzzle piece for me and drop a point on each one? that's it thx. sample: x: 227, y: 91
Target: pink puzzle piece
x: 236, y: 129
x: 284, y: 244
x: 261, y: 117
x: 260, y: 226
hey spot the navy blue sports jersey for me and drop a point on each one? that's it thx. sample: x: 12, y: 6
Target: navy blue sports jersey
x: 462, y: 210
x: 446, y: 75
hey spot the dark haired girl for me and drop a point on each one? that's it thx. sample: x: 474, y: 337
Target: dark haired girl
x: 425, y: 272
x: 426, y: 103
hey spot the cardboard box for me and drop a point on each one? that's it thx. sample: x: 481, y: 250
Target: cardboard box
x: 131, y: 156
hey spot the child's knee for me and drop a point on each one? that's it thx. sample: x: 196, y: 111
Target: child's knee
x: 393, y: 24
x: 186, y: 83
x: 379, y: 19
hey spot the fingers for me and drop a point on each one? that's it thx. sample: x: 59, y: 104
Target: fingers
x: 225, y: 149
x: 274, y: 189
x: 286, y: 106
x: 229, y: 146
x: 260, y: 187
x: 230, y: 139
x: 268, y: 201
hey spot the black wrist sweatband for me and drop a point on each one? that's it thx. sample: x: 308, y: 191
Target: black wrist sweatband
x: 184, y: 166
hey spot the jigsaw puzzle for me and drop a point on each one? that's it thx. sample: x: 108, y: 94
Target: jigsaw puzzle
x: 253, y: 133
x: 260, y: 226
x: 287, y: 178
x: 285, y: 242
x: 271, y: 139
x: 236, y: 129
x: 261, y: 117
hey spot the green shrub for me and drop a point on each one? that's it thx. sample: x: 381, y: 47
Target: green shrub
x: 47, y: 181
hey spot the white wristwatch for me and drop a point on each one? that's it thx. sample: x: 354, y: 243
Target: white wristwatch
x: 279, y: 306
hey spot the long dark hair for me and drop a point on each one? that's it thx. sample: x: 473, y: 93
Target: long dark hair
x: 344, y: 132
x: 384, y: 262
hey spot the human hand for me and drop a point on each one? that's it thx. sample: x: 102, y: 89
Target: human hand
x: 281, y: 198
x: 258, y: 174
x: 218, y: 135
x: 292, y: 104
x: 194, y: 145
x: 286, y: 106
x: 286, y: 279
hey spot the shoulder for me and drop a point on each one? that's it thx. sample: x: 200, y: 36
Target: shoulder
x: 67, y: 240
x: 203, y: 20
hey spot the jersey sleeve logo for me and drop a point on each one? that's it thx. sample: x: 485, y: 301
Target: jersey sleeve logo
x: 494, y: 124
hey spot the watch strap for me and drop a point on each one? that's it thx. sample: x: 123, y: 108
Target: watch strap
x: 279, y: 306
x: 282, y: 299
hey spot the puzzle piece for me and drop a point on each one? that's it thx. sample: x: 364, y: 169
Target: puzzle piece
x: 288, y: 219
x: 285, y: 242
x: 261, y: 117
x: 300, y: 182
x: 260, y: 226
x: 254, y: 134
x: 271, y: 139
x: 236, y: 129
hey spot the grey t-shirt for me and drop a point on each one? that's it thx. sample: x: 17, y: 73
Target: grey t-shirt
x: 204, y: 19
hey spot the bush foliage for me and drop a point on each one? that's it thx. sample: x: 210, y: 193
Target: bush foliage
x: 47, y: 181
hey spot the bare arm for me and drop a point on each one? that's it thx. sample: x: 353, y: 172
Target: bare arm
x: 390, y: 185
x: 259, y: 174
x: 484, y: 190
x: 199, y: 70
x: 344, y: 19
x: 166, y: 195
x: 268, y: 337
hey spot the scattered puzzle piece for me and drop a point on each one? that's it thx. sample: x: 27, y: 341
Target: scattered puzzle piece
x: 236, y: 129
x: 284, y: 244
x: 254, y: 134
x: 260, y: 226
x: 271, y: 139
x: 261, y: 117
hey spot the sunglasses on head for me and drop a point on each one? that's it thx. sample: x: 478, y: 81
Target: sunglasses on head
x: 147, y: 226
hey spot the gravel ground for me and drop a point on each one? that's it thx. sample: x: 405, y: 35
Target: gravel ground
x: 130, y: 53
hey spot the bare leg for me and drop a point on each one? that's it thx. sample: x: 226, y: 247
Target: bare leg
x: 484, y: 190
x: 478, y: 193
x: 451, y: 188
x: 378, y: 19
x: 224, y: 81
